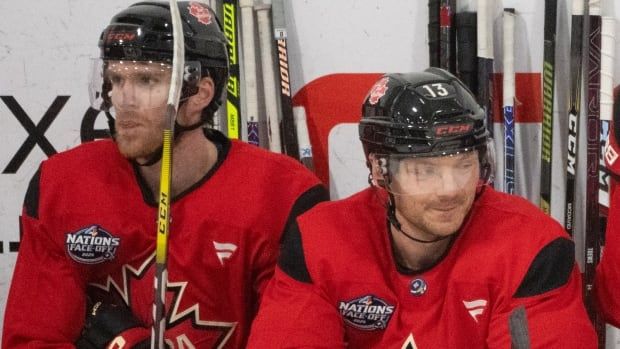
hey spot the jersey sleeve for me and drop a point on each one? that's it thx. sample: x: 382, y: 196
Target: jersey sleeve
x: 46, y: 302
x: 294, y: 312
x: 607, y: 281
x: 550, y: 293
x: 264, y: 266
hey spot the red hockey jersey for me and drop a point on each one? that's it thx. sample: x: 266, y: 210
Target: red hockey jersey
x: 89, y: 227
x: 337, y: 283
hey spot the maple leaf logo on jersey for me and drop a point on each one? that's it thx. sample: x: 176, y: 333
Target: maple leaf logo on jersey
x: 378, y: 90
x: 179, y: 314
x: 182, y: 309
x: 201, y: 12
x: 409, y: 343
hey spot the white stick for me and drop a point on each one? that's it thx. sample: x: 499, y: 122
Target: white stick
x: 249, y: 64
x: 484, y: 28
x: 303, y: 137
x: 269, y: 78
x: 608, y: 44
x: 607, y: 66
x: 508, y: 99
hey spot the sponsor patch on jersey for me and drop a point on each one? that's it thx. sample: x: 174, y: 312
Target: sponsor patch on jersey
x: 366, y: 313
x: 378, y: 90
x: 92, y: 245
x: 201, y: 12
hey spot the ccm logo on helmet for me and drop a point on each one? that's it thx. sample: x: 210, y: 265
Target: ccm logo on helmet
x: 120, y: 36
x: 451, y: 130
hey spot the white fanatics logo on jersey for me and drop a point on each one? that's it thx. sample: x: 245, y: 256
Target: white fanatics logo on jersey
x: 224, y: 250
x: 475, y: 307
x: 92, y: 245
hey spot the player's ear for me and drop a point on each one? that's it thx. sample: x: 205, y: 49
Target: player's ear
x: 206, y: 91
x: 192, y: 110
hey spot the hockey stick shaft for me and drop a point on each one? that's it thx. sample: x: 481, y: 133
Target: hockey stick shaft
x: 289, y: 137
x: 465, y: 23
x: 592, y: 157
x: 163, y: 217
x: 230, y: 15
x: 446, y: 17
x: 219, y: 122
x: 548, y: 96
x: 305, y: 148
x: 593, y: 230
x: 574, y: 112
x: 269, y: 79
x: 508, y: 102
x: 608, y: 27
x: 484, y: 38
x: 433, y: 32
x: 249, y: 66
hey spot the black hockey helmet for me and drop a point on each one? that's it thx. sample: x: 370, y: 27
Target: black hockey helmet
x: 429, y: 113
x: 143, y: 32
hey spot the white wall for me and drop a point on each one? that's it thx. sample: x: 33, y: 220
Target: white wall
x: 45, y: 48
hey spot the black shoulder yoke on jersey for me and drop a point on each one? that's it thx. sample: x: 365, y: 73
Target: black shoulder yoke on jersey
x: 292, y: 260
x: 550, y: 269
x: 31, y: 201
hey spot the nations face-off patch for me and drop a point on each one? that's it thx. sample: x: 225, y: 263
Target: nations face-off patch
x: 91, y: 245
x: 366, y: 313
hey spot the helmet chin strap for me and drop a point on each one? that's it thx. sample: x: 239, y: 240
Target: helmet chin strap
x: 391, y: 216
x: 383, y: 181
x: 157, y: 154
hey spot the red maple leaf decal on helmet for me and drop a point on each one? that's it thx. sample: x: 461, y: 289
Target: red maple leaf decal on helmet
x: 378, y: 90
x: 201, y: 12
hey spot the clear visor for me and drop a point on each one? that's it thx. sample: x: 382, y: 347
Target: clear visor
x: 125, y: 85
x: 440, y: 175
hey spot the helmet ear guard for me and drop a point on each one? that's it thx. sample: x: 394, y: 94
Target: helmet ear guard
x: 379, y: 174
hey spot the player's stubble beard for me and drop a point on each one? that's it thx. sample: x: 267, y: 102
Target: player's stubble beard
x: 139, y: 134
x: 430, y: 217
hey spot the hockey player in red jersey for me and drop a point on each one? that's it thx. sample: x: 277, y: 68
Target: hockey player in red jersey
x: 430, y: 256
x: 84, y: 273
x: 607, y: 280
